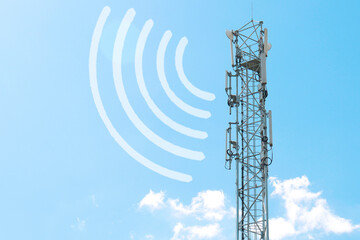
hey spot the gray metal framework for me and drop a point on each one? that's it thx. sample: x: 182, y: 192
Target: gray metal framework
x: 247, y: 141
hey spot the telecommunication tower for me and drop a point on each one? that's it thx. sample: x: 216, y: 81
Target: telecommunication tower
x: 247, y: 140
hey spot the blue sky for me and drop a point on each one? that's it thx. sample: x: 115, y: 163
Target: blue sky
x: 63, y: 176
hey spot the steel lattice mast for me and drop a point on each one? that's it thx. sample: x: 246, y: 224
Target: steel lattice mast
x: 247, y: 140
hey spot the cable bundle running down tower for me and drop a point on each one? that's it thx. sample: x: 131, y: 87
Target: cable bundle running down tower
x: 247, y: 140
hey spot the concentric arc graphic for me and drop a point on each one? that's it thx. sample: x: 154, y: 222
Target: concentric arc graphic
x: 100, y: 107
x: 144, y: 92
x: 119, y: 86
x: 161, y: 72
x: 180, y: 70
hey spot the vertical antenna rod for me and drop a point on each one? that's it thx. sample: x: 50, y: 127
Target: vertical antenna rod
x: 247, y: 139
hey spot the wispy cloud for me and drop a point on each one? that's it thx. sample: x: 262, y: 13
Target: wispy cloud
x: 93, y: 200
x: 307, y: 213
x: 79, y: 225
x: 149, y: 236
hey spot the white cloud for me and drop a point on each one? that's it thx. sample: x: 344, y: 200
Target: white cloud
x: 80, y: 224
x: 153, y: 200
x: 209, y: 205
x: 280, y: 228
x: 209, y: 231
x: 306, y: 212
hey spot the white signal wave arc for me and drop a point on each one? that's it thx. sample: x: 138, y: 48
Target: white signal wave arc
x: 161, y: 72
x: 180, y: 70
x: 119, y: 86
x: 101, y: 110
x: 141, y: 83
